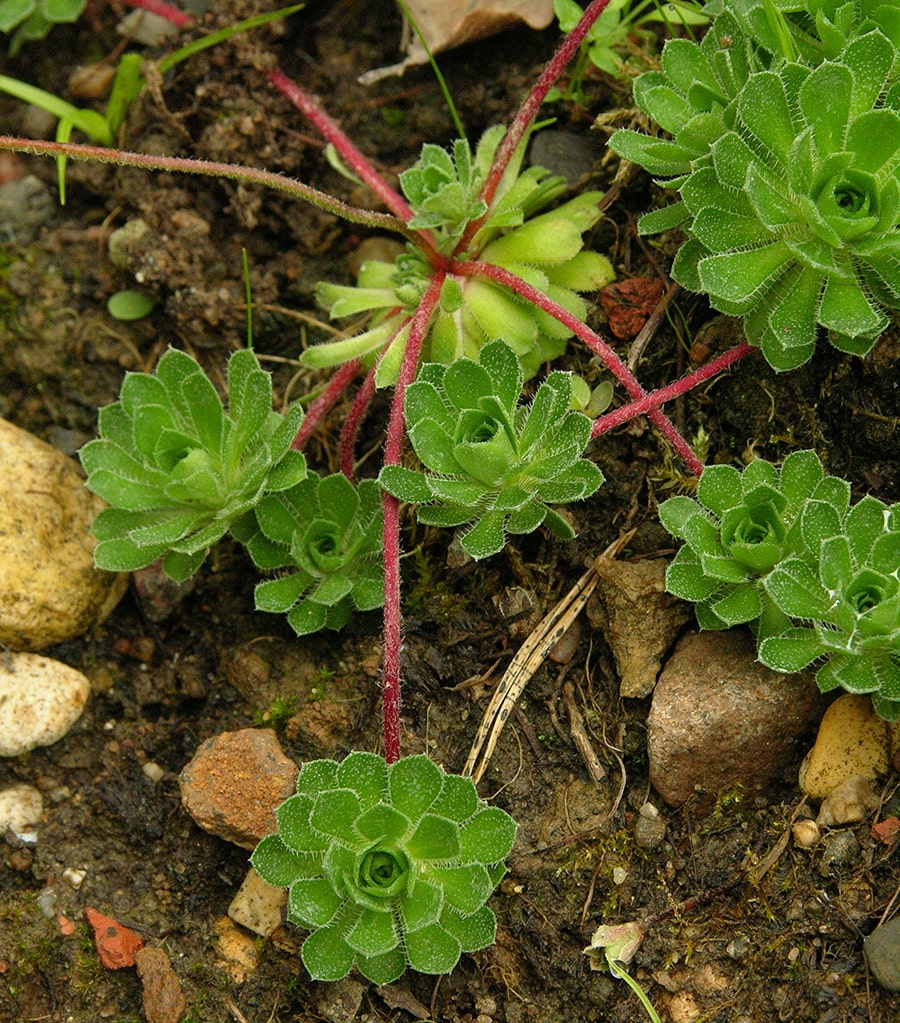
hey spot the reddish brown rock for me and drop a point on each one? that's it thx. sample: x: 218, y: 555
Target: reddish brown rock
x: 234, y: 782
x: 116, y: 944
x: 161, y: 997
x: 719, y: 718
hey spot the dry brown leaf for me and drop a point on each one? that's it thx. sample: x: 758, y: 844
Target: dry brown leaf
x: 449, y: 23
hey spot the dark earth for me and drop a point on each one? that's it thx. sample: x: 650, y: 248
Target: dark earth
x: 730, y: 951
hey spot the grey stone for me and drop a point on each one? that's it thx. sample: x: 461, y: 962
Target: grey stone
x: 839, y: 851
x: 26, y: 206
x: 882, y: 952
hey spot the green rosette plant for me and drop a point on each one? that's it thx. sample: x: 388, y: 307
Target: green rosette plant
x: 325, y: 535
x: 812, y: 30
x: 795, y: 224
x: 739, y: 528
x: 845, y: 593
x: 177, y: 470
x: 386, y: 865
x: 792, y: 213
x: 443, y: 190
x: 490, y: 460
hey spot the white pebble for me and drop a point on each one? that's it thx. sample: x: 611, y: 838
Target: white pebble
x: 40, y: 700
x: 153, y: 771
x: 21, y: 807
x: 74, y: 877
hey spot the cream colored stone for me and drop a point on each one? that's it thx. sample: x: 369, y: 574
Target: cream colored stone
x: 853, y: 800
x: 21, y: 807
x: 40, y: 700
x: 852, y: 739
x: 257, y: 905
x: 236, y: 950
x: 806, y: 834
x: 49, y: 588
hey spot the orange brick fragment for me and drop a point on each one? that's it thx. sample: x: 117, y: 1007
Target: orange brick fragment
x: 115, y: 943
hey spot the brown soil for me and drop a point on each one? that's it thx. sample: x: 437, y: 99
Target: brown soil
x: 788, y: 948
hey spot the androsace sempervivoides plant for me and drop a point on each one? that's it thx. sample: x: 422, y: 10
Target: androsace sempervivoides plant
x: 816, y: 578
x: 386, y: 865
x: 457, y: 266
x: 444, y: 188
x: 177, y: 470
x: 491, y: 462
x: 789, y: 181
x: 324, y: 535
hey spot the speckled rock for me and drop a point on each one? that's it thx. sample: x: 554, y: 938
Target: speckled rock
x: 161, y: 995
x: 49, y: 588
x: 257, y: 905
x: 852, y: 740
x: 882, y: 952
x: 720, y: 718
x: 40, y: 700
x: 234, y: 782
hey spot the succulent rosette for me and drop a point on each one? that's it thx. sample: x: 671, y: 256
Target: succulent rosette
x: 386, y: 865
x: 491, y: 462
x: 845, y: 601
x: 324, y: 536
x: 177, y: 470
x: 545, y: 249
x: 789, y: 180
x: 739, y: 528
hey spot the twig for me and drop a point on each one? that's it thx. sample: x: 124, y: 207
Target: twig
x: 580, y: 737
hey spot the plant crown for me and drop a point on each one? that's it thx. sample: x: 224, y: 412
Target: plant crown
x: 489, y: 459
x: 443, y: 189
x: 177, y: 470
x: 789, y: 177
x: 386, y: 865
x: 325, y: 535
x: 818, y: 579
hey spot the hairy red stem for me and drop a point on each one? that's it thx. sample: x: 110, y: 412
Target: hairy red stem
x: 353, y: 421
x: 593, y: 340
x: 317, y: 408
x: 528, y: 111
x: 393, y: 448
x: 659, y: 397
x: 164, y: 10
x: 211, y: 168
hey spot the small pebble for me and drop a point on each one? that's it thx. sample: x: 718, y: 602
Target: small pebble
x: 852, y: 739
x: 882, y: 952
x: 50, y: 590
x: 21, y: 807
x: 40, y: 700
x: 738, y: 947
x: 153, y: 771
x: 649, y: 828
x: 161, y: 996
x: 74, y: 877
x: 116, y: 944
x: 234, y: 782
x: 851, y: 801
x: 257, y: 905
x: 806, y: 834
x: 839, y: 851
